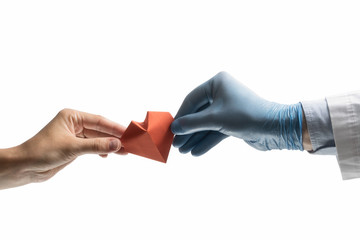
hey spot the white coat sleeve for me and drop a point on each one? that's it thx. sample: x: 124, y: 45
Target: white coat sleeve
x: 345, y: 119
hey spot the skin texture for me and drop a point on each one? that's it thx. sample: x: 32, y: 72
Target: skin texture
x: 69, y: 135
x: 306, y: 137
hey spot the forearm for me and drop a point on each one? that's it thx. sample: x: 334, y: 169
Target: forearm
x: 12, y: 172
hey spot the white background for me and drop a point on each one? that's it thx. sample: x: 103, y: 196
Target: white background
x: 123, y: 58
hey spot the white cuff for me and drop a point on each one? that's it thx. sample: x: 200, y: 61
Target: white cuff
x: 319, y: 127
x: 345, y: 119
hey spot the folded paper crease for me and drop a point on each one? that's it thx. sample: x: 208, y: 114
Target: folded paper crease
x: 151, y: 138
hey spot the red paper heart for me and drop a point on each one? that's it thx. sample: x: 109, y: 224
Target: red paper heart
x: 151, y: 138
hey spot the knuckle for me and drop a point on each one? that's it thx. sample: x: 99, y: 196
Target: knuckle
x: 98, y: 145
x: 66, y: 112
x: 100, y: 117
x: 99, y: 121
x: 222, y: 75
x: 95, y: 145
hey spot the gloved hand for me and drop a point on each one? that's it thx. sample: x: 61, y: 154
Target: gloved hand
x: 223, y: 107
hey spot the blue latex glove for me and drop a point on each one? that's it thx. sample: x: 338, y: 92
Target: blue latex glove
x: 223, y: 107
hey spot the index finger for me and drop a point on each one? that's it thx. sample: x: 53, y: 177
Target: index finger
x: 101, y: 124
x: 197, y: 99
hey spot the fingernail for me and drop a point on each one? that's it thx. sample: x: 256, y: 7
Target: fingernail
x: 114, y: 144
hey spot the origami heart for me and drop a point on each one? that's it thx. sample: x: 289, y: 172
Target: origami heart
x: 151, y: 138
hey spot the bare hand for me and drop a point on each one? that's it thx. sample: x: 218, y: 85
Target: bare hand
x: 70, y: 134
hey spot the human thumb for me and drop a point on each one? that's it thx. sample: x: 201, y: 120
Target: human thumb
x: 98, y: 145
x: 195, y: 122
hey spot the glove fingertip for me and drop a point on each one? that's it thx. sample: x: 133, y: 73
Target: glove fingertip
x: 198, y: 152
x: 176, y: 127
x: 184, y: 150
x: 180, y: 140
x: 176, y: 142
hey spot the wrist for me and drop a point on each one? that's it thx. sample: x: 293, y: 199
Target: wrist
x: 288, y: 120
x: 294, y: 127
x: 306, y: 136
x: 283, y: 127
